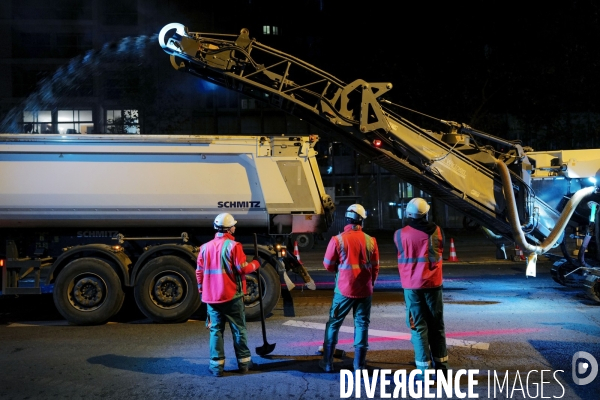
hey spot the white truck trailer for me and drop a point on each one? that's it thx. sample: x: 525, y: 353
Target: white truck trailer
x: 86, y: 217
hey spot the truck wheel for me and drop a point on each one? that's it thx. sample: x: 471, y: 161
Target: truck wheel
x: 88, y: 291
x: 166, y: 290
x: 306, y: 241
x: 271, y: 291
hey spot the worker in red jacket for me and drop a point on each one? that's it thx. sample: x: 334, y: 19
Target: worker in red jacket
x: 420, y: 246
x: 221, y: 279
x: 354, y: 257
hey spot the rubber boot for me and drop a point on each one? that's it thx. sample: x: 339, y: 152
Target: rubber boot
x: 326, y: 363
x: 246, y: 367
x: 360, y: 358
x: 441, y: 367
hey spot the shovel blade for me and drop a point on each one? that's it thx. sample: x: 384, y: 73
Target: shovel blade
x: 265, y: 349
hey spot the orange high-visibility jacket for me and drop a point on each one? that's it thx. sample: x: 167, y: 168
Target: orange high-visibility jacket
x: 419, y: 257
x: 222, y: 268
x: 354, y: 255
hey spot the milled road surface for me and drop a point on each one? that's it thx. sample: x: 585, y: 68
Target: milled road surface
x: 497, y: 321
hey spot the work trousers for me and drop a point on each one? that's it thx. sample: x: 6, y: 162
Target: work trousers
x: 218, y: 314
x: 425, y: 318
x: 340, y: 307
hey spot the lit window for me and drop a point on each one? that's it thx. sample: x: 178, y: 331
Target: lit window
x: 270, y: 30
x: 75, y: 121
x: 37, y: 121
x: 122, y: 122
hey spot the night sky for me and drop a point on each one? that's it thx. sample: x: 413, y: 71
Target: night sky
x: 491, y: 56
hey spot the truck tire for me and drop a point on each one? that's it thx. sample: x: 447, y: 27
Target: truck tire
x: 166, y: 290
x: 88, y: 291
x: 306, y: 241
x: 271, y: 291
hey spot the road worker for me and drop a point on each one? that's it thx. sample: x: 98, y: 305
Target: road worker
x: 420, y: 246
x: 354, y: 257
x: 220, y: 272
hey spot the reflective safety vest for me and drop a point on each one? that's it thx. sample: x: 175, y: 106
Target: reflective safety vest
x: 354, y: 255
x: 222, y: 268
x: 419, y: 257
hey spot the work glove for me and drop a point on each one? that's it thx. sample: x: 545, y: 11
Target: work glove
x: 260, y: 260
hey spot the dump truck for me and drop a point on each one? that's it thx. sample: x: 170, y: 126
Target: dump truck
x: 91, y: 217
x: 489, y: 179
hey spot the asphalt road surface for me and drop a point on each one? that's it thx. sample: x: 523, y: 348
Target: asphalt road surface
x: 508, y: 327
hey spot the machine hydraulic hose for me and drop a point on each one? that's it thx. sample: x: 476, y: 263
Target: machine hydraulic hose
x: 556, y: 232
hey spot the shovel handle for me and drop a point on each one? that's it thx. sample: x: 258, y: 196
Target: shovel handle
x: 266, y: 348
x: 260, y: 293
x: 255, y: 245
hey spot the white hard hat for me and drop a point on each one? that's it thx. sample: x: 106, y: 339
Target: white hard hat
x: 417, y: 208
x: 224, y: 221
x: 356, y: 212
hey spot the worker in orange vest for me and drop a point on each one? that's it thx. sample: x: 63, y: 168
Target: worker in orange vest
x: 354, y: 257
x: 420, y: 246
x: 221, y: 274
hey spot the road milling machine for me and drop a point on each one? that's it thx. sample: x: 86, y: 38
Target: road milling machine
x: 503, y: 185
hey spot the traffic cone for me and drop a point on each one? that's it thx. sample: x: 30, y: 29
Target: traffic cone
x: 296, y: 252
x: 519, y: 252
x: 452, y: 251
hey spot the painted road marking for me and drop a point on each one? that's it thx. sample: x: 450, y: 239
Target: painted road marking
x: 389, y: 334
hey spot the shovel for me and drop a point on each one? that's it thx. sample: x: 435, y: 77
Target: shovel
x: 266, y: 348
